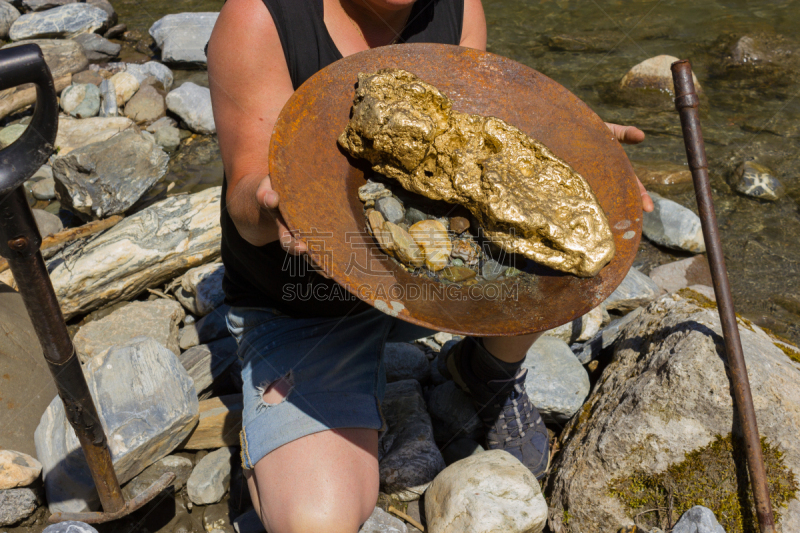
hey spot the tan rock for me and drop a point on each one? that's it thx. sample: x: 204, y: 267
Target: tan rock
x: 219, y: 425
x: 661, y: 173
x: 458, y: 273
x: 403, y: 245
x: 75, y: 133
x: 466, y: 250
x: 17, y: 469
x: 459, y: 224
x: 125, y: 85
x: 431, y: 236
x: 654, y: 73
x: 383, y: 237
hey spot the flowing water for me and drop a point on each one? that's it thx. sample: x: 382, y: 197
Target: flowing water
x: 746, y: 113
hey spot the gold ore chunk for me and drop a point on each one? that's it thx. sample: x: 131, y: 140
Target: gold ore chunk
x: 525, y: 198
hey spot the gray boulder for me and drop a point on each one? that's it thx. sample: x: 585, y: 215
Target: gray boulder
x: 158, y: 319
x: 97, y: 48
x: 69, y: 526
x: 200, y: 290
x: 209, y: 480
x: 180, y: 466
x: 106, y: 6
x: 63, y: 56
x: 146, y: 106
x: 81, y: 100
x: 107, y: 178
x: 47, y: 223
x: 193, y: 104
x: 666, y: 398
x: 8, y: 14
x: 60, y: 22
x: 148, y: 406
x: 674, y: 226
x: 168, y: 138
x: 43, y: 5
x: 408, y: 455
x: 382, y: 522
x: 635, y: 291
x: 182, y: 37
x: 17, y: 504
x: 452, y: 414
x: 391, y: 209
x: 405, y: 361
x: 487, y: 492
x: 698, y: 519
x: 155, y: 69
x: 752, y: 179
x: 557, y: 383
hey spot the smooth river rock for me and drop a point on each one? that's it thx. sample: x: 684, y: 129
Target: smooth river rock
x: 158, y: 319
x: 200, y: 289
x: 125, y: 85
x: 77, y: 133
x: 667, y: 393
x: 146, y: 106
x: 674, y: 226
x: 192, y: 103
x: 408, y: 455
x: 107, y: 178
x: 8, y: 14
x: 148, y: 406
x: 557, y: 383
x: 98, y: 48
x: 144, y: 250
x: 60, y: 22
x: 485, y: 493
x: 17, y: 469
x: 654, y: 73
x: 81, y: 100
x: 182, y: 37
x: 757, y: 181
x: 155, y: 69
x: 209, y: 480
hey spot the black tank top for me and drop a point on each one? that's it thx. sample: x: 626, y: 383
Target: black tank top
x: 266, y: 276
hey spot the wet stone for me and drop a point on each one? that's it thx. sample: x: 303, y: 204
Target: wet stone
x: 459, y: 225
x: 458, y: 273
x: 402, y: 246
x: 757, y: 181
x: 431, y: 236
x: 492, y: 270
x: 391, y: 209
x: 414, y: 215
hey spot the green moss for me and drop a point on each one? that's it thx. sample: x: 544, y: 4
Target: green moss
x: 791, y: 353
x: 699, y: 299
x: 565, y: 518
x: 709, y: 476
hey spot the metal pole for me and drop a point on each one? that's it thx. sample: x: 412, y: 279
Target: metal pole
x: 686, y: 102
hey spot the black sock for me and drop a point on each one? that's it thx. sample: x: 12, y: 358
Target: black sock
x: 488, y: 367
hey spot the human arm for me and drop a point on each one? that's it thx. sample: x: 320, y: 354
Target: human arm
x: 473, y: 29
x: 249, y: 83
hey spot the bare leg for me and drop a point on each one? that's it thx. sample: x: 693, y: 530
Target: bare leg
x: 327, y: 481
x: 510, y: 349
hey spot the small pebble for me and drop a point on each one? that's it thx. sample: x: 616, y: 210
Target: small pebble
x: 44, y: 189
x: 414, y: 215
x: 492, y: 269
x: 391, y: 209
x: 458, y: 273
x: 372, y: 190
x: 459, y: 225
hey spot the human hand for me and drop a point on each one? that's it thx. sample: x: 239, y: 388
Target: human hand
x: 632, y: 135
x: 268, y: 201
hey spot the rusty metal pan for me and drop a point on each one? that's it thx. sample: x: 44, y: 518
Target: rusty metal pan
x: 318, y: 187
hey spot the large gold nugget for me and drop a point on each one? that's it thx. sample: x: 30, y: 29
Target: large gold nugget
x: 525, y: 198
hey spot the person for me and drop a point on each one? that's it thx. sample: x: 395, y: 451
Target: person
x: 312, y: 370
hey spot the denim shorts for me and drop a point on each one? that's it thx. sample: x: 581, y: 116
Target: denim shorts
x: 334, y: 365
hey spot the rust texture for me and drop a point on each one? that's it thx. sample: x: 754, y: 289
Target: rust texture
x: 687, y: 102
x: 527, y: 200
x: 318, y: 184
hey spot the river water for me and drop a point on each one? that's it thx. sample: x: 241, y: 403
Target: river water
x: 747, y: 113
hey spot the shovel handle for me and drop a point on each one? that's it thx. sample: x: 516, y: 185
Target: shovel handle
x: 22, y: 158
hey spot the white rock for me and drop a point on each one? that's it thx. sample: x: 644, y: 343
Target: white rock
x: 147, y: 405
x: 182, y: 37
x: 209, y: 480
x: 672, y: 225
x: 76, y: 133
x: 69, y: 526
x: 17, y: 469
x: 654, y: 73
x: 698, y: 519
x: 557, y: 383
x: 200, y: 290
x: 485, y: 493
x: 158, y: 70
x: 125, y: 85
x: 193, y: 104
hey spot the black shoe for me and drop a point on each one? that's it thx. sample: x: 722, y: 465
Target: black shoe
x: 512, y: 422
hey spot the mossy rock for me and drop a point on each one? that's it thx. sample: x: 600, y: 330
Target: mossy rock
x: 714, y: 476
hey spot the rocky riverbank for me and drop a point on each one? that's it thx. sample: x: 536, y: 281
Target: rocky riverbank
x: 634, y: 392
